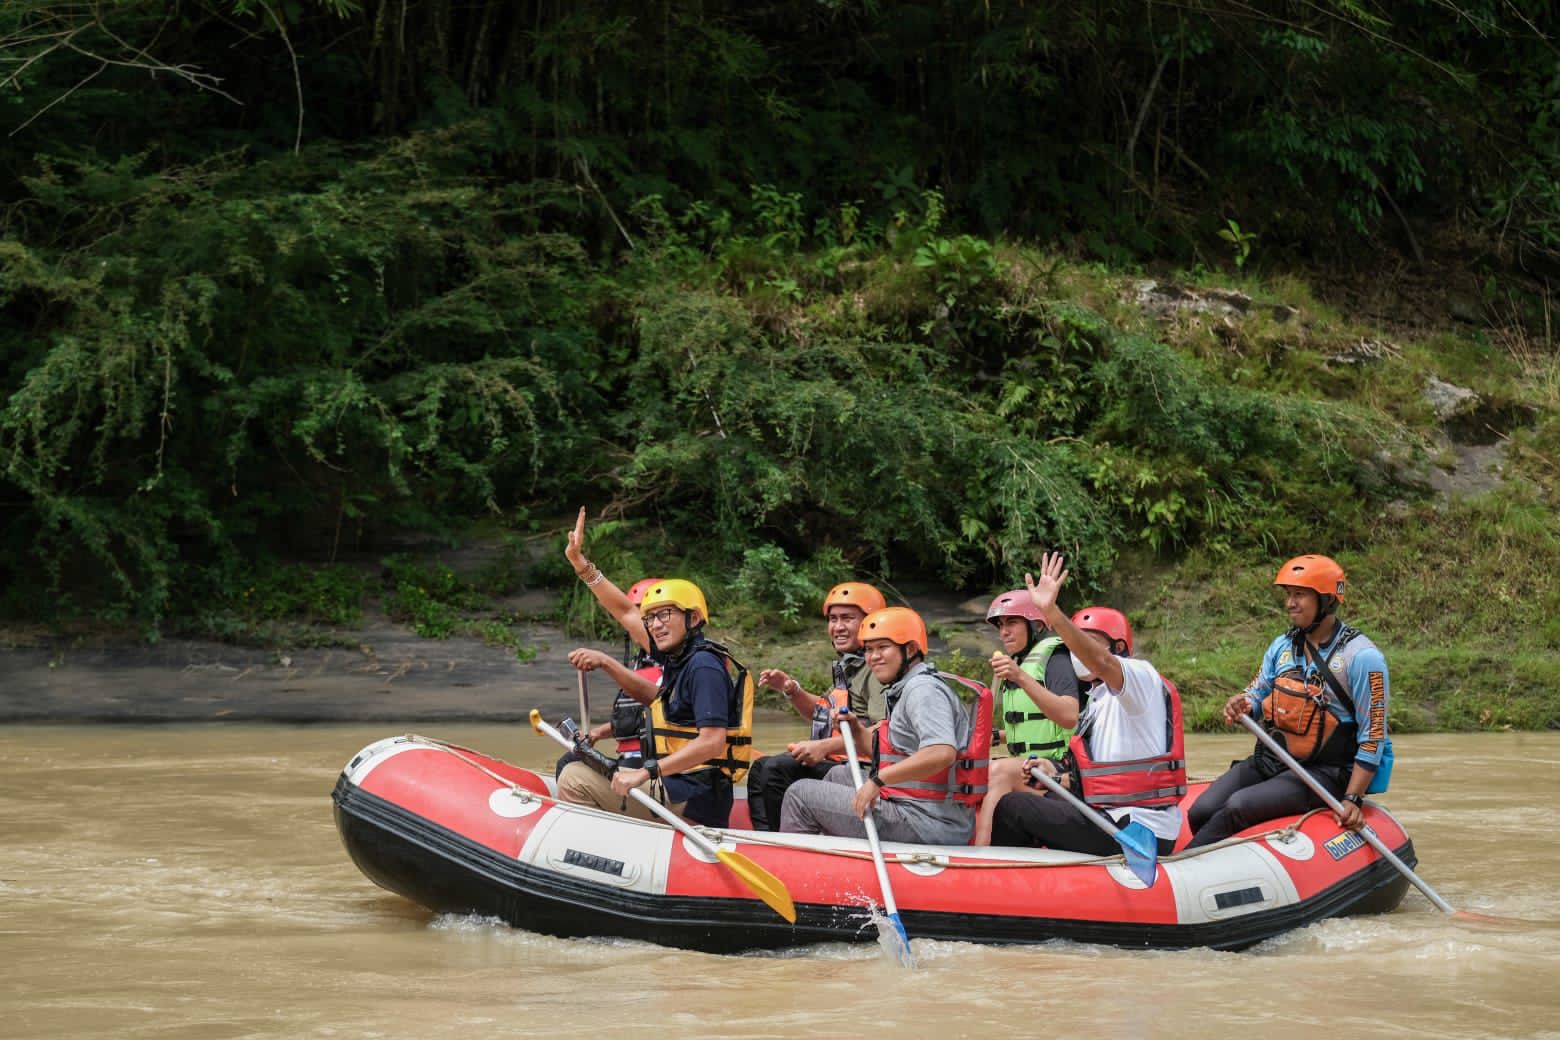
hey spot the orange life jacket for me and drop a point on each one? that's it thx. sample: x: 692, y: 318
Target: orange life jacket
x: 1295, y: 710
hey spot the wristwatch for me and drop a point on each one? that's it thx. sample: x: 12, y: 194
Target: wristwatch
x: 653, y: 767
x: 1357, y: 799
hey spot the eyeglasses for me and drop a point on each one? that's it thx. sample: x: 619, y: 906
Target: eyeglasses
x: 663, y: 616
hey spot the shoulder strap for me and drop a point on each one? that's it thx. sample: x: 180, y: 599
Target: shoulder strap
x: 1327, y: 673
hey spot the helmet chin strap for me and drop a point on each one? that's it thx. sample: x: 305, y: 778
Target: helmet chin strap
x: 1326, y: 607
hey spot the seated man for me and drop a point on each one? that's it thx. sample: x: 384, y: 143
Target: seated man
x: 920, y: 787
x: 1126, y: 758
x: 1037, y: 703
x: 854, y: 686
x: 1343, y: 744
x: 698, y: 730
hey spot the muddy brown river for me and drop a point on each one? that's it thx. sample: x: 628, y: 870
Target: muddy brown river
x: 187, y: 881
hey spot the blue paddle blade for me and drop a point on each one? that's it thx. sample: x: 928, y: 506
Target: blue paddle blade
x: 902, y: 943
x: 1141, y: 850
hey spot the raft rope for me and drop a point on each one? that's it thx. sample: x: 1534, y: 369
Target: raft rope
x: 717, y: 834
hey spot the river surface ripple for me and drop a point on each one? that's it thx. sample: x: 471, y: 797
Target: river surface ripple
x: 187, y: 881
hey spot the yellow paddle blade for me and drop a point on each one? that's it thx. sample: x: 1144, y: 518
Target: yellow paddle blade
x: 764, y: 884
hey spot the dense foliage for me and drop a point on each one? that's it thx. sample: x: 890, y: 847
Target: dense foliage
x: 277, y: 279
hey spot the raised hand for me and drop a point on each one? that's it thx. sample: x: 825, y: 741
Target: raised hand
x: 575, y: 550
x: 1043, y: 590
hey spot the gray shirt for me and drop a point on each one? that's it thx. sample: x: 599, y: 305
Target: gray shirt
x: 923, y: 711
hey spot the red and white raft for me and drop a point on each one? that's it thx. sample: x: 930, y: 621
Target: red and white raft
x: 459, y: 832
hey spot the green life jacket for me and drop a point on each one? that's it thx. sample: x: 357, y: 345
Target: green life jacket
x: 1027, y: 730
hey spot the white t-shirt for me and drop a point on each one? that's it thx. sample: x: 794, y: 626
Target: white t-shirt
x: 1130, y: 723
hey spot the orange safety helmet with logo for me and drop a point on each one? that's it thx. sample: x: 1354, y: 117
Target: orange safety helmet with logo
x: 1320, y: 574
x: 854, y: 594
x: 826, y: 709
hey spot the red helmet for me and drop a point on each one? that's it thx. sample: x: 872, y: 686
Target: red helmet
x: 1107, y: 621
x: 899, y: 624
x: 854, y: 594
x: 1320, y: 574
x: 636, y: 591
x: 1014, y: 603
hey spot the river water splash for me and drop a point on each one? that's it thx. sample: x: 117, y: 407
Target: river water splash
x: 187, y: 881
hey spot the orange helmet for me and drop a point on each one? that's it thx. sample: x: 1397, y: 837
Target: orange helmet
x: 1320, y: 574
x: 854, y: 594
x: 899, y: 624
x: 636, y: 591
x: 1107, y: 621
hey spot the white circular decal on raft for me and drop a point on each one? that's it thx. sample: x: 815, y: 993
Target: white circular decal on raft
x: 513, y: 802
x: 698, y: 853
x: 928, y: 867
x: 1293, y: 844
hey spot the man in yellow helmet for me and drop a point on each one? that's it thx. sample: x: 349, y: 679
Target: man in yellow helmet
x: 1322, y: 692
x: 699, y: 727
x: 855, y: 687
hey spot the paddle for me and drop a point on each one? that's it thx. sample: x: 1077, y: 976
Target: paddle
x: 762, y: 883
x: 889, y: 908
x: 1364, y: 832
x: 584, y: 704
x: 1139, y: 847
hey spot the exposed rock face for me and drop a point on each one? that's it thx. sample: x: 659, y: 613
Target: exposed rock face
x: 1447, y: 400
x: 1164, y: 299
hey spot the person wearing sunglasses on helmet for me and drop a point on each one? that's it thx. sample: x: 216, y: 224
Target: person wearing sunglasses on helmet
x: 927, y: 774
x: 1322, y: 692
x: 1127, y: 757
x: 855, y: 687
x: 698, y: 731
x: 1037, y: 699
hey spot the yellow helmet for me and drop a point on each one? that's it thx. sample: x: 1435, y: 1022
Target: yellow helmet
x: 674, y: 592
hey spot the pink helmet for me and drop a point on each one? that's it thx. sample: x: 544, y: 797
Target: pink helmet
x: 636, y: 591
x: 1106, y: 620
x: 1014, y: 603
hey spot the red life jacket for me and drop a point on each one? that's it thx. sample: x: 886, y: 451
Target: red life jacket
x: 1157, y: 782
x: 965, y: 781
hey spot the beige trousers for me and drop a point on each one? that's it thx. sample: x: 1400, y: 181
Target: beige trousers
x: 582, y: 785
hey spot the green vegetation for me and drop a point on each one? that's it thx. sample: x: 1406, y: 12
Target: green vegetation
x: 789, y: 301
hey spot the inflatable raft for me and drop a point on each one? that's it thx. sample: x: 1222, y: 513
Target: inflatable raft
x: 458, y: 832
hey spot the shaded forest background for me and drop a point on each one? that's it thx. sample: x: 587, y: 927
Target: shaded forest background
x: 797, y: 289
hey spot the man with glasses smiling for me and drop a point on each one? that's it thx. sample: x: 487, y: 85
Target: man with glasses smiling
x: 699, y: 736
